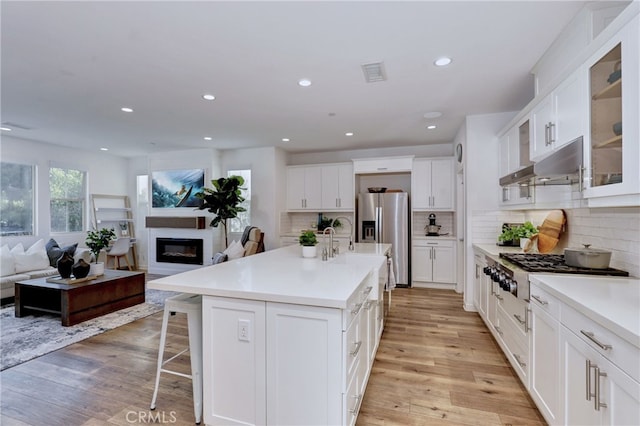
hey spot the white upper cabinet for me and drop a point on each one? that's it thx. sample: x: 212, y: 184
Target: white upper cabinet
x: 337, y: 187
x: 559, y: 117
x: 382, y: 165
x: 304, y: 187
x: 320, y: 187
x: 432, y: 184
x: 612, y: 147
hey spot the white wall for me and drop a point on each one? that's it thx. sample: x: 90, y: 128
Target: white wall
x: 481, y: 171
x: 106, y: 174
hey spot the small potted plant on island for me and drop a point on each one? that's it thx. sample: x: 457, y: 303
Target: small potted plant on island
x: 308, y: 241
x: 96, y: 241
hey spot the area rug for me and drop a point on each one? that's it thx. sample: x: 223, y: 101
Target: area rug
x: 31, y: 336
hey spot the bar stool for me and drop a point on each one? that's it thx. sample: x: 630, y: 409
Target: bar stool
x: 190, y: 304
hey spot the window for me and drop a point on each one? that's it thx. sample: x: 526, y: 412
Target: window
x: 17, y: 200
x: 244, y: 218
x: 68, y: 199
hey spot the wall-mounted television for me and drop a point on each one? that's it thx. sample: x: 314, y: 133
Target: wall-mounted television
x: 176, y: 188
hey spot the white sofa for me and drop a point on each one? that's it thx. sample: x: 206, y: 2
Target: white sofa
x: 17, y: 264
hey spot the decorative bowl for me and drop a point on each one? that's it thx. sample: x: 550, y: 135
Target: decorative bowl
x: 377, y: 189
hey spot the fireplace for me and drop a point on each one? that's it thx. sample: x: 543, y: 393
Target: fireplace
x: 179, y: 250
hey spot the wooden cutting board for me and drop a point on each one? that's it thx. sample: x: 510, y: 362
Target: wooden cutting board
x: 550, y: 230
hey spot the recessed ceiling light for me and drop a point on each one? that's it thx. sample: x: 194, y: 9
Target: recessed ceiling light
x: 286, y: 140
x: 208, y: 138
x: 104, y: 149
x: 304, y: 82
x: 208, y: 97
x: 432, y: 114
x: 441, y: 62
x: 431, y: 127
x: 6, y: 129
x: 349, y: 134
x: 126, y: 109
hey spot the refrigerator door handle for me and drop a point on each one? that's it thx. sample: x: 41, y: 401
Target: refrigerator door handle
x: 378, y: 235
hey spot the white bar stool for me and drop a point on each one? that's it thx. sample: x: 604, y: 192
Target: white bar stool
x: 190, y: 304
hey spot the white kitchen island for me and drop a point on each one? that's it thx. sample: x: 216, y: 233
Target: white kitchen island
x: 287, y: 340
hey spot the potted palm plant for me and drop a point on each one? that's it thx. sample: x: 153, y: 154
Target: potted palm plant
x: 223, y: 200
x: 308, y: 241
x: 96, y: 241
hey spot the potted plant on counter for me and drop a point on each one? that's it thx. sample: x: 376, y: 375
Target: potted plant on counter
x: 308, y: 241
x: 96, y: 241
x: 521, y: 233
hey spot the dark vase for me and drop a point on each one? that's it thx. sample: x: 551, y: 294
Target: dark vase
x: 65, y: 265
x: 81, y: 269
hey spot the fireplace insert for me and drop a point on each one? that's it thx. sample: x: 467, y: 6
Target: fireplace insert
x: 179, y: 250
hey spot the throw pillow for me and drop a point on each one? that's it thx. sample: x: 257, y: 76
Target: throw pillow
x: 235, y: 250
x: 54, y: 251
x: 7, y: 266
x: 35, y: 258
x: 219, y: 258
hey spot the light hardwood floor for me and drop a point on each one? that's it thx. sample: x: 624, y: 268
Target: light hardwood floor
x: 436, y: 364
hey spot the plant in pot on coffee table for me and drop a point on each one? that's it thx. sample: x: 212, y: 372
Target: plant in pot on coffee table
x: 96, y: 241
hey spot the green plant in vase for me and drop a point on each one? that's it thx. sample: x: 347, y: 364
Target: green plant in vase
x: 99, y: 239
x: 308, y: 241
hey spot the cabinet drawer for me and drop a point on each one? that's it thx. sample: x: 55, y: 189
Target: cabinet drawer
x: 353, y: 346
x: 621, y: 353
x: 517, y: 347
x: 351, y: 402
x: 356, y: 302
x: 433, y: 243
x: 544, y: 301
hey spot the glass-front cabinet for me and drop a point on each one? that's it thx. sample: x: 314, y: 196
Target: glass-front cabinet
x: 612, y: 147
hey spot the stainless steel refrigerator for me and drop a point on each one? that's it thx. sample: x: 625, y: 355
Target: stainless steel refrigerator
x: 384, y: 218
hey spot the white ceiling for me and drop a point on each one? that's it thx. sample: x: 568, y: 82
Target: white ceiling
x: 68, y: 68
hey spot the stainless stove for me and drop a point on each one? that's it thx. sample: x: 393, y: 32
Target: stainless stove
x: 512, y: 270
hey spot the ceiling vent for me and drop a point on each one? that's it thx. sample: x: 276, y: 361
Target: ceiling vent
x: 14, y: 125
x: 374, y: 72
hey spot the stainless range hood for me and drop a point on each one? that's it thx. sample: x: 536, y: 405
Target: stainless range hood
x: 563, y: 167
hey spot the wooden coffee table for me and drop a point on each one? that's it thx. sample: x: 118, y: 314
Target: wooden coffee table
x: 79, y: 302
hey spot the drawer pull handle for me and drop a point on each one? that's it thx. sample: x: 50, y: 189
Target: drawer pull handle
x: 588, y: 376
x: 518, y: 360
x: 498, y: 330
x: 592, y: 337
x: 357, y: 349
x: 519, y: 318
x: 539, y: 300
x: 500, y: 298
x: 354, y: 410
x: 596, y: 397
x: 355, y: 310
x: 367, y: 290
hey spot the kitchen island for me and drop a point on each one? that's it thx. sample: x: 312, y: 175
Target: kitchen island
x: 287, y: 340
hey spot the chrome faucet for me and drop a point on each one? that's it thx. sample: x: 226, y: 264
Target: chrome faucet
x: 351, y: 246
x: 331, y: 233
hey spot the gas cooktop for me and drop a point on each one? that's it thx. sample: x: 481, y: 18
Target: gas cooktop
x: 537, y: 262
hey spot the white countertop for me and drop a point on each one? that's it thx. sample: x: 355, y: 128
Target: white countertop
x: 282, y: 275
x: 612, y: 302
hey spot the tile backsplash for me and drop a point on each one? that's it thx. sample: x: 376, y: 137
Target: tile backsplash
x: 421, y: 219
x: 615, y: 229
x: 296, y: 222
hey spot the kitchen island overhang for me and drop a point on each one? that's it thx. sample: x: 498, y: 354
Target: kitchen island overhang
x: 315, y: 328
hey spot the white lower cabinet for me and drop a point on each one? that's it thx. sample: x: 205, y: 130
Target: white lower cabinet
x: 303, y: 361
x: 582, y: 373
x: 433, y: 262
x: 278, y: 363
x: 596, y: 391
x: 545, y: 357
